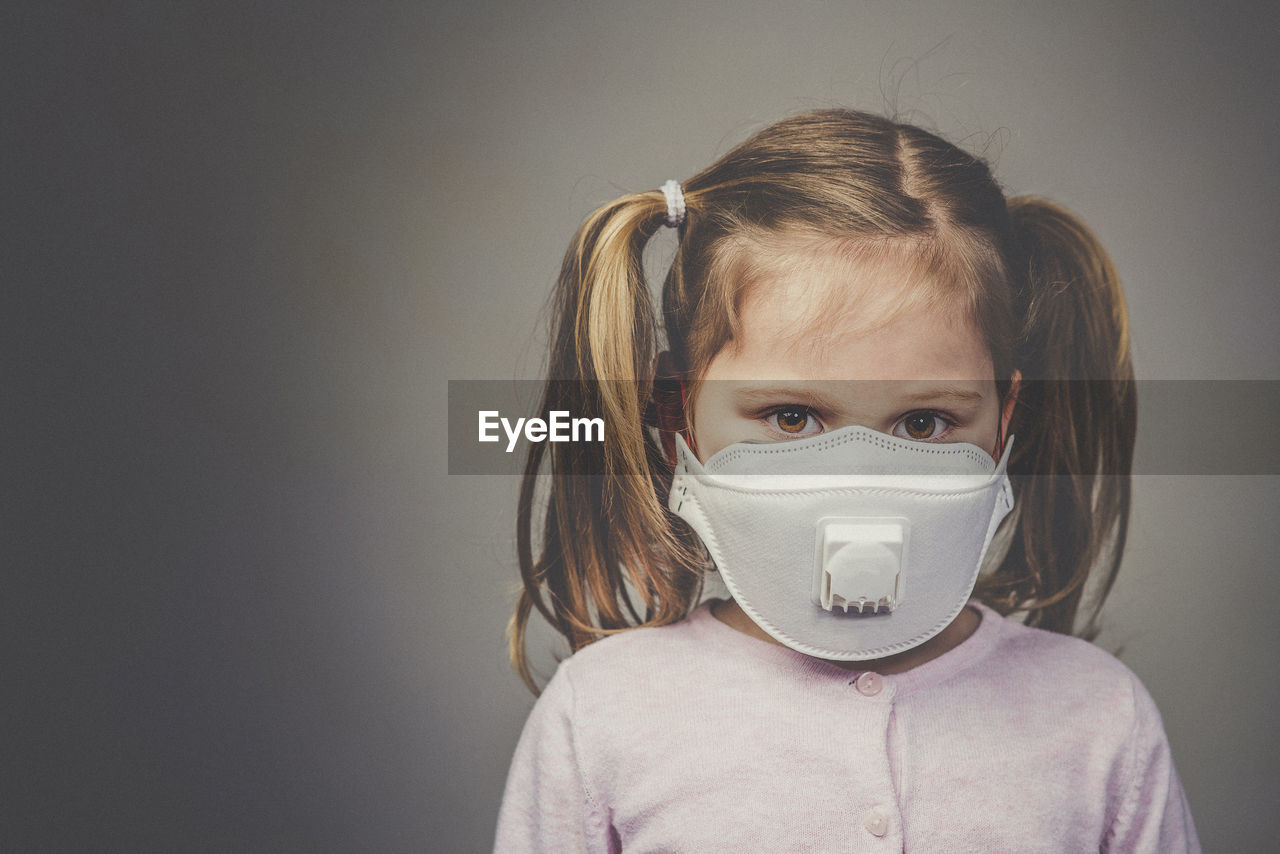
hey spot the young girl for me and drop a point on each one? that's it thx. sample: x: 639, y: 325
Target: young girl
x: 864, y: 339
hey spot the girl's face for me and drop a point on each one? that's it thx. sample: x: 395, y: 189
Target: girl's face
x: 823, y: 346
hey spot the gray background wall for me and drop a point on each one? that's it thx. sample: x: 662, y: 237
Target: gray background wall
x: 246, y: 245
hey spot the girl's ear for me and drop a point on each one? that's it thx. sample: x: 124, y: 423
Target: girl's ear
x: 669, y: 405
x: 1006, y: 411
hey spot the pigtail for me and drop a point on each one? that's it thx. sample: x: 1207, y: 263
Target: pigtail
x: 607, y: 542
x: 1075, y: 421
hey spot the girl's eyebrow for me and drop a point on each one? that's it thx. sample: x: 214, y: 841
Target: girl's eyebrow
x: 953, y: 393
x: 798, y: 393
x: 826, y: 402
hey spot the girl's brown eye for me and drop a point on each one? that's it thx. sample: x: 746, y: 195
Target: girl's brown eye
x: 792, y: 420
x: 922, y: 425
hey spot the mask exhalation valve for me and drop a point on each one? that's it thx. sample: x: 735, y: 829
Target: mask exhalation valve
x: 859, y: 564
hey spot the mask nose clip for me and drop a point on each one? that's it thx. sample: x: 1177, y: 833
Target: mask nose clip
x: 859, y: 563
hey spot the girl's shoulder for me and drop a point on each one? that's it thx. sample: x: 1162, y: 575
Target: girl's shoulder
x: 1049, y: 670
x: 1066, y: 655
x: 640, y: 653
x: 696, y: 665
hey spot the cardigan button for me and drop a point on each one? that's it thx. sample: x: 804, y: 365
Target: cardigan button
x: 876, y: 821
x: 869, y: 684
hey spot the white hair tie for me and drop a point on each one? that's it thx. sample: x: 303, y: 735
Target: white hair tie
x: 675, y: 203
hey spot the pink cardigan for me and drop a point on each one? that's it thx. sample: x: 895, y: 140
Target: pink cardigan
x: 695, y: 737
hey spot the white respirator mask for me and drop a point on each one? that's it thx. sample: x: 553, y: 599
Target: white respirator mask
x: 849, y: 545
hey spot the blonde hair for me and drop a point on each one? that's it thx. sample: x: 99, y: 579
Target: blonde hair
x: 1036, y: 284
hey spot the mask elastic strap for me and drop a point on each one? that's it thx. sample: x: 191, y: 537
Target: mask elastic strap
x: 670, y: 395
x: 1001, y: 436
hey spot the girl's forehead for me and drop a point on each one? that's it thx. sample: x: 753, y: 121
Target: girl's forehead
x: 848, y: 315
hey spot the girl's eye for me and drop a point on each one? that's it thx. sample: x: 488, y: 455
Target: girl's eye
x: 921, y: 426
x: 794, y: 421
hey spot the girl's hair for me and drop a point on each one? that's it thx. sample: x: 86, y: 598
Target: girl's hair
x: 1032, y: 279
